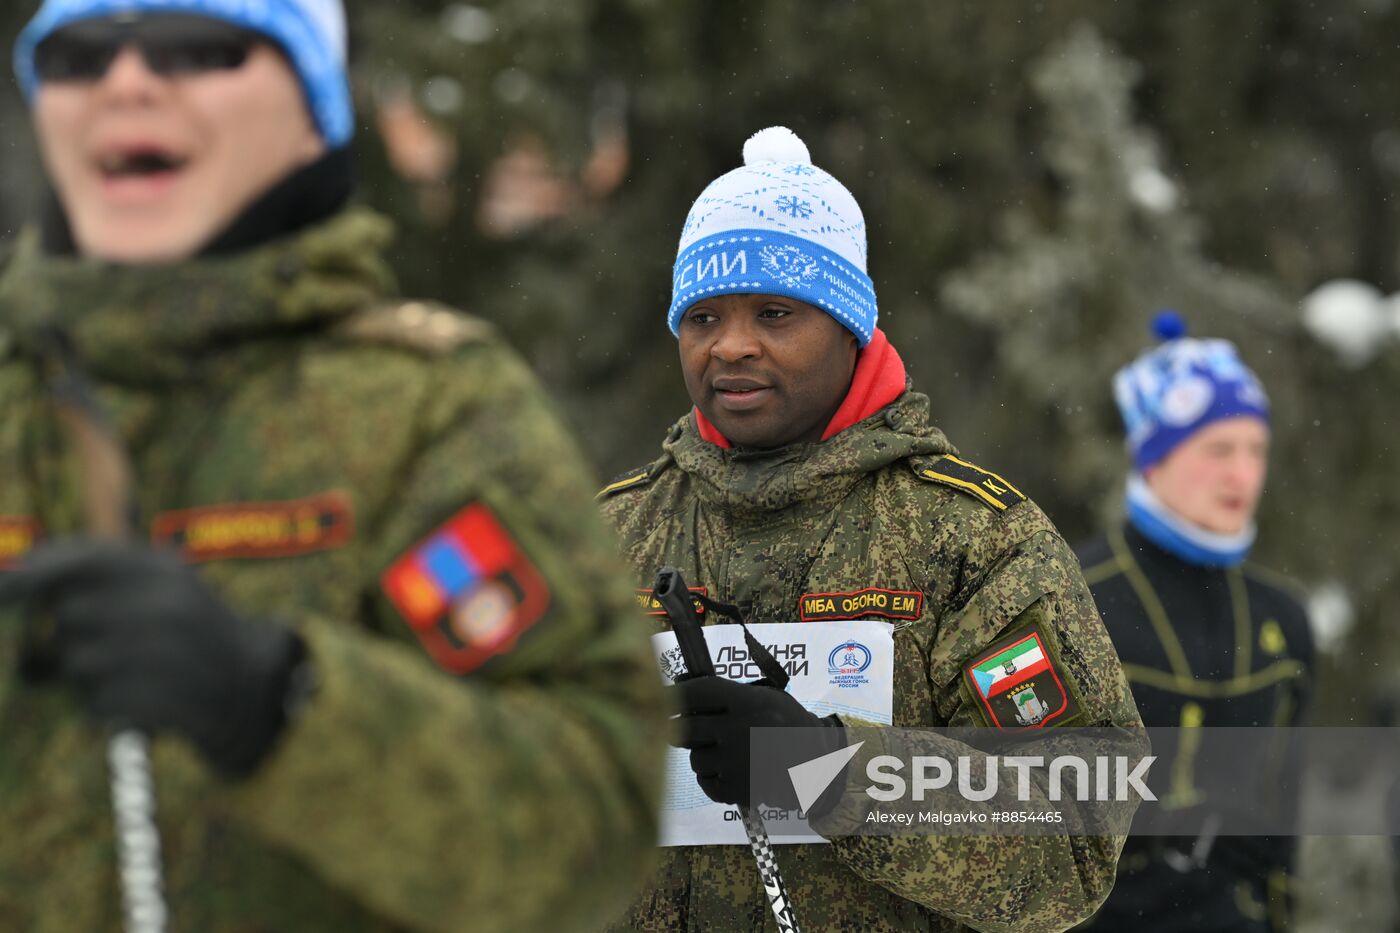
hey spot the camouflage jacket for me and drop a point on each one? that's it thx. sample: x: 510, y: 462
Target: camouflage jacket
x: 294, y: 432
x: 802, y: 533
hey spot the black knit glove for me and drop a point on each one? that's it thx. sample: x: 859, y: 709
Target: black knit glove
x: 146, y: 645
x: 716, y: 716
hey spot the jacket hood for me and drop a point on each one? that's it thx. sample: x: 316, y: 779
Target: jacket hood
x: 821, y: 473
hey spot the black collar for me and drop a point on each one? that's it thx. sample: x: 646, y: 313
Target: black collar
x: 307, y: 196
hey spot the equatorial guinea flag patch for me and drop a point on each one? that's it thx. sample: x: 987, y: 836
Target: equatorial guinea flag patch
x: 1018, y: 684
x: 467, y: 590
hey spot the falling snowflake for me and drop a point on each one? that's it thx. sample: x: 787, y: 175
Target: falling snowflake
x: 794, y: 208
x: 800, y: 170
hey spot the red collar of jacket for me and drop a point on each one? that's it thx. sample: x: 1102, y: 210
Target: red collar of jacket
x: 878, y: 380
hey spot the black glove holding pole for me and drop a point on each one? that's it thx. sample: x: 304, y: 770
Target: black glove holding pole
x: 146, y: 644
x: 717, y: 714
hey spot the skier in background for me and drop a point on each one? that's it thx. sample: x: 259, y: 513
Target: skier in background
x: 1206, y: 639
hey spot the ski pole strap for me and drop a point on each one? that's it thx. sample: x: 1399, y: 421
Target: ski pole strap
x: 768, y: 665
x: 109, y: 507
x: 679, y: 603
x: 675, y: 598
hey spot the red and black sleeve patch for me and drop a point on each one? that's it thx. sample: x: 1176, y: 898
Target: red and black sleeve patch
x: 861, y: 604
x: 468, y: 590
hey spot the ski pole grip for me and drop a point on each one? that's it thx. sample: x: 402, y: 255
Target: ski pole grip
x: 670, y: 590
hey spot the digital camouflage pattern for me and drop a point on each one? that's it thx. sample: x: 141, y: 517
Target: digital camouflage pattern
x: 520, y: 797
x: 855, y: 512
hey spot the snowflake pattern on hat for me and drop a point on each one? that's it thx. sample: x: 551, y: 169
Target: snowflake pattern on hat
x: 1174, y: 390
x: 777, y: 225
x: 793, y: 207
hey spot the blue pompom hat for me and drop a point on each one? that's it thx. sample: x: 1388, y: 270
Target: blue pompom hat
x: 1185, y: 383
x: 311, y: 32
x: 777, y: 225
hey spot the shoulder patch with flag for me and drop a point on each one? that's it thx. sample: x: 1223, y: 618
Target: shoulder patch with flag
x: 982, y: 484
x: 1018, y: 683
x: 467, y: 590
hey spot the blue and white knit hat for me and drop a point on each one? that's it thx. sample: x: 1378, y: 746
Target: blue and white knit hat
x: 311, y: 32
x: 1174, y: 390
x: 778, y: 225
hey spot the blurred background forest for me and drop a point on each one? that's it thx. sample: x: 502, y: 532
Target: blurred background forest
x: 1038, y: 179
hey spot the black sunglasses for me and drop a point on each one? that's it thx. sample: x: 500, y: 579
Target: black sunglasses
x: 171, y: 45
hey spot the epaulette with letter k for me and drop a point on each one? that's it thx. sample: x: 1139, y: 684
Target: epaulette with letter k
x: 988, y: 487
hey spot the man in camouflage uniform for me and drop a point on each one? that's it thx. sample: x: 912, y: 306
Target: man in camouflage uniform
x: 807, y: 476
x: 333, y: 550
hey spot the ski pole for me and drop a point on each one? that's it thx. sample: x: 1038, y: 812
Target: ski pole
x: 109, y: 508
x: 670, y: 590
x: 137, y: 837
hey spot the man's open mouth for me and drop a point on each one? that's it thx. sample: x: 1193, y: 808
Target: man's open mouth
x: 140, y: 163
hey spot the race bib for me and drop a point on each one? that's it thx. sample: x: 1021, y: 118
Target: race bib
x: 846, y: 668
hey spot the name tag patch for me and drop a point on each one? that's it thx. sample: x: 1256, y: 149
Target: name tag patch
x: 861, y: 604
x: 1018, y: 684
x: 257, y: 529
x: 467, y: 590
x: 18, y: 535
x: 648, y: 603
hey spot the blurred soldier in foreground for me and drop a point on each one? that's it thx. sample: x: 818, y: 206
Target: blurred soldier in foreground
x: 1206, y: 640
x: 808, y: 485
x: 332, y: 549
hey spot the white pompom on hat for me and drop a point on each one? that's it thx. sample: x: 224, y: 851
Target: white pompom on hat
x: 777, y: 225
x: 776, y: 144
